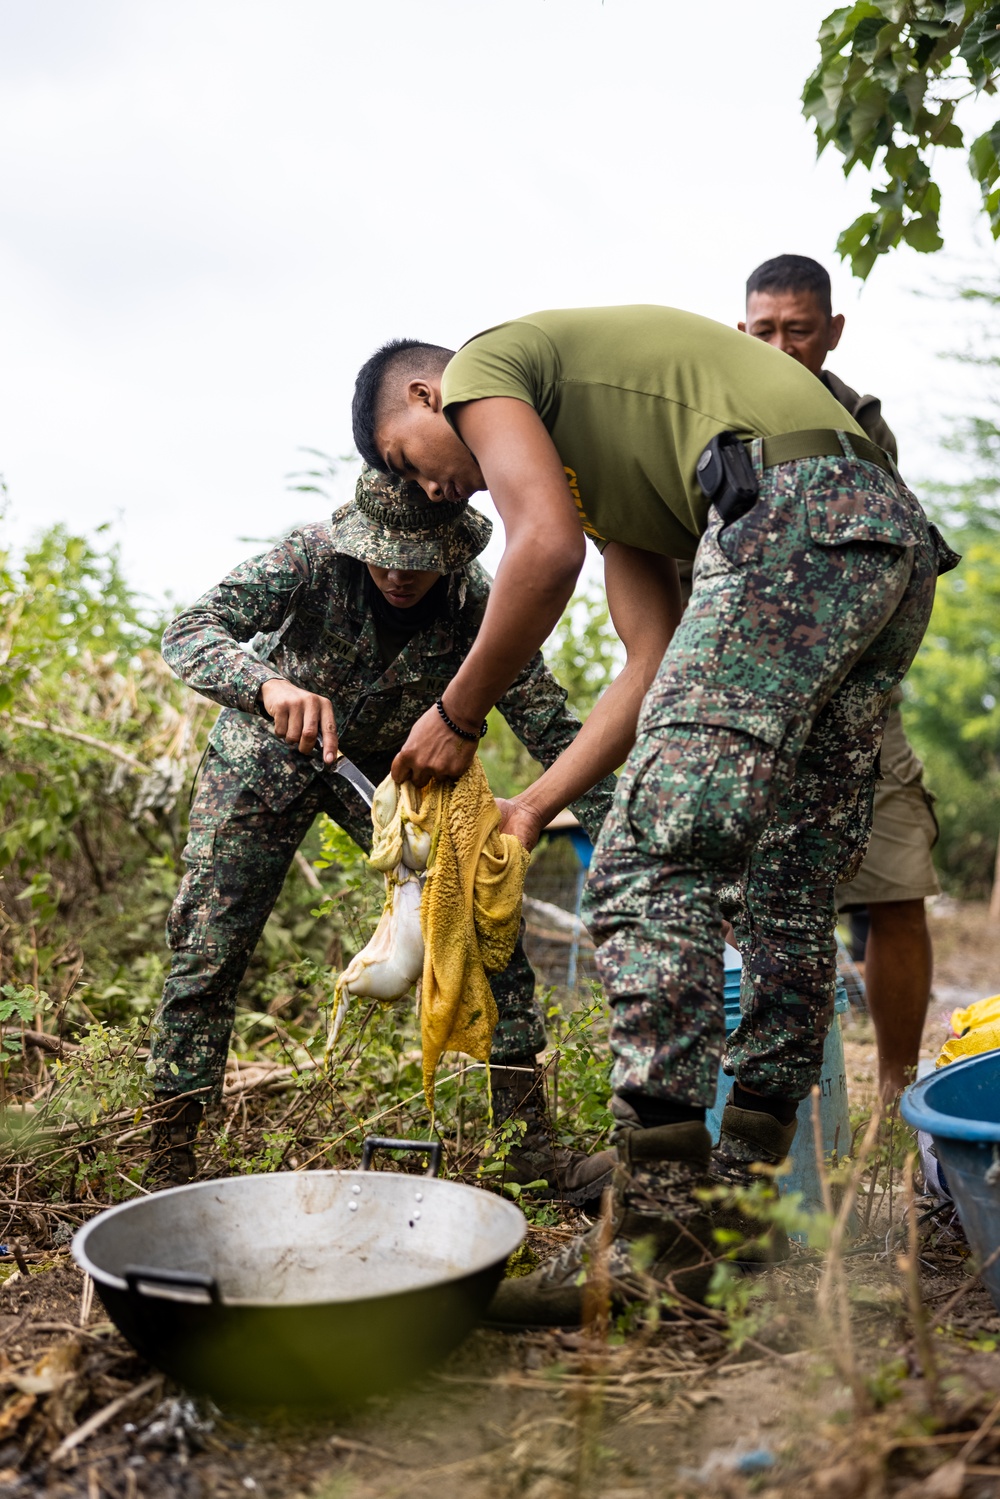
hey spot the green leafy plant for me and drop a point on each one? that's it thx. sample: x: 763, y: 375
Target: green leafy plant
x: 892, y: 78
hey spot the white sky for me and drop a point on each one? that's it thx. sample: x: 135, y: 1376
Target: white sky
x: 211, y: 211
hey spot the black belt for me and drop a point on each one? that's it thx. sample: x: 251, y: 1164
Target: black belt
x: 821, y: 442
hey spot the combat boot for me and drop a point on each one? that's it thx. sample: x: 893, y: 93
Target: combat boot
x: 572, y: 1176
x: 751, y: 1137
x: 660, y: 1234
x: 172, y: 1161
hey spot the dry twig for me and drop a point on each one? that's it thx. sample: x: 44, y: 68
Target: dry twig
x: 102, y: 1417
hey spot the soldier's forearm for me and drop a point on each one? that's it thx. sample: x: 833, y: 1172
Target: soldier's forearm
x: 205, y: 657
x: 600, y: 747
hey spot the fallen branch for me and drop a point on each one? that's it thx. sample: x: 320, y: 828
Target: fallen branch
x: 307, y: 872
x: 89, y: 739
x: 261, y: 1074
x: 347, y: 1444
x: 54, y: 1045
x: 557, y: 919
x: 102, y: 1417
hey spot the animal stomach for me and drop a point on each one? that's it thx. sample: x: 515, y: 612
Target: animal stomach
x: 393, y: 959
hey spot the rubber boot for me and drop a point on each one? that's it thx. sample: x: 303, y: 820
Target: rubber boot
x: 750, y: 1137
x: 571, y: 1175
x: 656, y: 1222
x: 172, y: 1160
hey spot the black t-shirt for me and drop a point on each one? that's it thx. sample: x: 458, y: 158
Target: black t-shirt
x: 394, y: 627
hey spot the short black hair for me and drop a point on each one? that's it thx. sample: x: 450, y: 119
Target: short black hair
x: 410, y: 356
x: 793, y: 273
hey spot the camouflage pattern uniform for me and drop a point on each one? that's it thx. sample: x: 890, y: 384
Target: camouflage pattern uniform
x: 303, y: 607
x: 753, y: 771
x: 898, y: 865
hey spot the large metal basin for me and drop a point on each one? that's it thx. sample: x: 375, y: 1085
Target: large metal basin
x: 307, y: 1289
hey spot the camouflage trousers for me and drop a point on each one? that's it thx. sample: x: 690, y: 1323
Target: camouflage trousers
x: 750, y: 786
x: 237, y: 855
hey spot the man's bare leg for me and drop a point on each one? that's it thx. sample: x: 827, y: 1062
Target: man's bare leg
x: 898, y: 969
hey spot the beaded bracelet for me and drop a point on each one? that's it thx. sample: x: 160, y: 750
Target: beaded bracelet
x: 462, y: 733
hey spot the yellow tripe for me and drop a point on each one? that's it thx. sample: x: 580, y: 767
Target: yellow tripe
x: 470, y: 911
x: 470, y: 915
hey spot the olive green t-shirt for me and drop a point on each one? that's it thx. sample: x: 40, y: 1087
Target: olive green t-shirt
x: 630, y: 396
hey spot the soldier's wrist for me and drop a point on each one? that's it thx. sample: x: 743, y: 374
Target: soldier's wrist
x: 259, y: 705
x: 460, y: 722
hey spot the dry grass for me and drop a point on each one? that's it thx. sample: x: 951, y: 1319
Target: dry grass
x: 664, y: 1408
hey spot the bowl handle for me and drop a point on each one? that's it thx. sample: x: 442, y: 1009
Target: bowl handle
x: 431, y: 1148
x: 178, y: 1280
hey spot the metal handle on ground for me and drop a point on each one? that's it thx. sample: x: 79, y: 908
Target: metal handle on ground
x: 177, y: 1280
x: 431, y: 1148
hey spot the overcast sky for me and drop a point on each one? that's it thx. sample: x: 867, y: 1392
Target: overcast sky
x: 211, y: 211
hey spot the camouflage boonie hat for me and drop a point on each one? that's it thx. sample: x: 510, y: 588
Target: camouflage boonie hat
x: 392, y: 523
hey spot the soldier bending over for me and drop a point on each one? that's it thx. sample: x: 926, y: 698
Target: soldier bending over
x: 761, y: 718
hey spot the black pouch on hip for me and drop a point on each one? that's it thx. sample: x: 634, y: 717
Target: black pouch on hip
x: 726, y: 476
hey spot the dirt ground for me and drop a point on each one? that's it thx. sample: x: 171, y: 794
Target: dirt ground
x: 684, y: 1409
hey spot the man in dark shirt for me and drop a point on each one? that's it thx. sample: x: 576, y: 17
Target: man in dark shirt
x: 788, y: 306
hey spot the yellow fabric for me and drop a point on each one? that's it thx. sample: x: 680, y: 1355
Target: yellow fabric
x: 470, y: 912
x: 977, y: 1029
x: 986, y: 1038
x: 983, y: 1012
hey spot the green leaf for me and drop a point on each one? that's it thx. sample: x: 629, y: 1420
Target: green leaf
x: 892, y: 197
x: 865, y: 39
x: 869, y: 112
x: 984, y: 157
x: 922, y: 234
x: 859, y: 244
x: 992, y: 205
x: 980, y: 46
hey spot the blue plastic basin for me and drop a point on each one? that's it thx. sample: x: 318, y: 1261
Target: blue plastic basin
x: 959, y: 1107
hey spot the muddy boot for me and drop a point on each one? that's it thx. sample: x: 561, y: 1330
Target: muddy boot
x: 571, y: 1175
x: 749, y: 1137
x: 657, y: 1223
x: 172, y: 1160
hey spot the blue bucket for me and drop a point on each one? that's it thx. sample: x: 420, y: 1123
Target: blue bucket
x: 959, y: 1107
x: 834, y: 1117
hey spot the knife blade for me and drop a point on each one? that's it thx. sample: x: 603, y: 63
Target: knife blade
x: 347, y: 768
x: 362, y: 785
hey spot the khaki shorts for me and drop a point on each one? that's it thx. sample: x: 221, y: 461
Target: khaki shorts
x: 898, y: 864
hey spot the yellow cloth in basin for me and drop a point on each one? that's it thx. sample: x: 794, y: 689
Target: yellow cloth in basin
x: 977, y: 1029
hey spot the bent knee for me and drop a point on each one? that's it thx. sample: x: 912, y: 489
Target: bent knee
x: 700, y: 795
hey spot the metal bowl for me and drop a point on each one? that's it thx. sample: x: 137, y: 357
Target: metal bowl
x: 305, y: 1289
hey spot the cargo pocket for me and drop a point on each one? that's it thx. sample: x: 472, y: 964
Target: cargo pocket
x: 663, y: 796
x: 744, y: 709
x: 855, y: 821
x: 188, y: 923
x: 841, y: 511
x: 701, y: 793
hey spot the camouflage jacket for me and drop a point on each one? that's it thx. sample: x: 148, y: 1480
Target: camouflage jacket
x: 302, y: 608
x: 866, y: 411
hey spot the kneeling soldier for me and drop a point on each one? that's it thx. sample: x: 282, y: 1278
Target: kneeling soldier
x: 357, y: 626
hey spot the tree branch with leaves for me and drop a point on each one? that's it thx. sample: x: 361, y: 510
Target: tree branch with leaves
x: 892, y: 78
